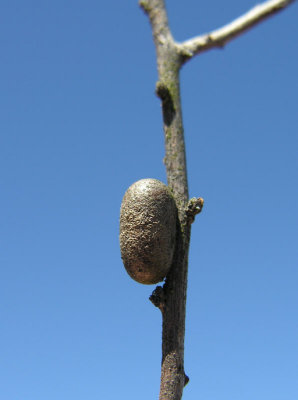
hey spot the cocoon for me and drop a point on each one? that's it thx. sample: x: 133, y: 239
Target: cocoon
x: 148, y: 220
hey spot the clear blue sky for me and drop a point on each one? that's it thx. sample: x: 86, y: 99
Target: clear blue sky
x: 79, y: 124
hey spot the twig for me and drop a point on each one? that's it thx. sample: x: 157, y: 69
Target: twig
x: 171, y: 298
x: 221, y: 36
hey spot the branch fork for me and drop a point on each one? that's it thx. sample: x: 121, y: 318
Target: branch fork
x: 171, y: 55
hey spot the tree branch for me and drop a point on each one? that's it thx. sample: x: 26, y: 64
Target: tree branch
x: 172, y: 302
x: 221, y: 36
x: 171, y: 298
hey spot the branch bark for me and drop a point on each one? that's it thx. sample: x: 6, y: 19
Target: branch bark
x: 220, y: 37
x: 171, y: 298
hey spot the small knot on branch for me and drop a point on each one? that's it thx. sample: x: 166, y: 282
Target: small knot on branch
x: 157, y: 298
x: 163, y: 92
x: 186, y: 379
x: 145, y: 6
x: 193, y: 208
x: 168, y: 109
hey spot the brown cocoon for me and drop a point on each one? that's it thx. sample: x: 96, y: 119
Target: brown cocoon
x: 148, y: 230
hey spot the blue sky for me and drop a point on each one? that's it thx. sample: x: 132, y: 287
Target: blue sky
x: 79, y: 124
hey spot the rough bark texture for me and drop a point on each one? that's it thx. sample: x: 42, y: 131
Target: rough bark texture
x: 220, y: 37
x: 171, y: 298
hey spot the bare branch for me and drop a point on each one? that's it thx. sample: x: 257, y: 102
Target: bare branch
x: 156, y: 11
x: 223, y: 35
x: 171, y: 298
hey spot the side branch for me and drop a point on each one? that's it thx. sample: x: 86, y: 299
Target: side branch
x: 221, y: 36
